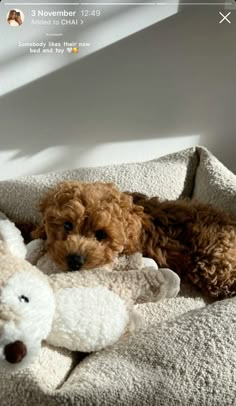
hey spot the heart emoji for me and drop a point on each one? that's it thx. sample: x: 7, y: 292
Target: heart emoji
x: 69, y: 50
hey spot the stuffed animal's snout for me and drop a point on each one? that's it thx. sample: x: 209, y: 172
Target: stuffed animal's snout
x: 15, y: 352
x: 27, y: 308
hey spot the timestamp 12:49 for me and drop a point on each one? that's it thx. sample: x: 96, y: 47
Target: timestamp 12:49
x: 90, y: 13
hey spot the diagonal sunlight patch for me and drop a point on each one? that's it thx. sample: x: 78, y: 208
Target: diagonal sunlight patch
x: 64, y: 157
x: 114, y: 23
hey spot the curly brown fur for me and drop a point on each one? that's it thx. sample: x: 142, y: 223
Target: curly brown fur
x: 196, y: 240
x: 90, y: 208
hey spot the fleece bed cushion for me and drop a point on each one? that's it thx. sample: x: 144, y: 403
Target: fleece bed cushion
x: 185, y: 353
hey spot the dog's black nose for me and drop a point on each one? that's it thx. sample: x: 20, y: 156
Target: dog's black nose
x: 75, y: 261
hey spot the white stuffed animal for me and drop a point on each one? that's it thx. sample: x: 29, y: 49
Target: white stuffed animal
x: 81, y: 311
x: 11, y: 235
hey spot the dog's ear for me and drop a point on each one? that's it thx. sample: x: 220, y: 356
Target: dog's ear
x: 39, y: 232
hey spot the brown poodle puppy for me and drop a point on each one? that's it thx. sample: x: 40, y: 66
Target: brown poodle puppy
x: 89, y: 224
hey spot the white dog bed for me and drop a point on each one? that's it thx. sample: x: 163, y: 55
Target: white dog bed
x: 185, y: 355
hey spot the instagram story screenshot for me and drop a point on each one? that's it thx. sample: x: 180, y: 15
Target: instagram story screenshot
x: 117, y: 202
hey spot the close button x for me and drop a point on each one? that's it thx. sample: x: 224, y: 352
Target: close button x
x: 225, y: 17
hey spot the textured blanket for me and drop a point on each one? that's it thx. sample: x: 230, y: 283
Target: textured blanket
x: 185, y: 354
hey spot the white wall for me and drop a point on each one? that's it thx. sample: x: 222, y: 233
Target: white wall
x: 165, y: 88
x: 20, y: 67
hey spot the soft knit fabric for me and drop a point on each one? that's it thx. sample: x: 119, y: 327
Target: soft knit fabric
x: 185, y: 354
x: 215, y: 183
x: 169, y: 177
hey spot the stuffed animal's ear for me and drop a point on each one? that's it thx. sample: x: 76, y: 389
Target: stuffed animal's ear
x: 39, y: 232
x: 11, y: 238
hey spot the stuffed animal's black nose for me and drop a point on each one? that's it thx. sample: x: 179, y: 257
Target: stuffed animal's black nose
x: 75, y: 261
x: 15, y: 352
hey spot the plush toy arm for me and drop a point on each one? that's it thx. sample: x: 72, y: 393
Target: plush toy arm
x: 171, y: 284
x: 149, y: 263
x: 134, y: 261
x: 146, y: 285
x: 127, y: 262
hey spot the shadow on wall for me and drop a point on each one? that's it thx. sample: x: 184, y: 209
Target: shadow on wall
x: 171, y: 80
x: 17, y: 163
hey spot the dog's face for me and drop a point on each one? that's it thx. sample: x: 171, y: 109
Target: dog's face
x: 88, y: 224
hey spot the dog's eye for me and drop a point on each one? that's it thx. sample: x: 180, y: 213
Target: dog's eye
x: 68, y: 226
x: 23, y: 298
x: 100, y: 235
